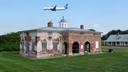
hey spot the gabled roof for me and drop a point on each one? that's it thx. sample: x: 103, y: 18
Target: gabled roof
x: 118, y: 38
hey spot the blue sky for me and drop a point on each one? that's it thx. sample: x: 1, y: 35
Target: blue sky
x: 102, y: 15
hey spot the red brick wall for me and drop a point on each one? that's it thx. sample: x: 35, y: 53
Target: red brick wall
x: 81, y: 39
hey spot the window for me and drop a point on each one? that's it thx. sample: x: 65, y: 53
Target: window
x: 44, y: 46
x: 55, y: 45
x: 97, y: 44
x: 33, y: 46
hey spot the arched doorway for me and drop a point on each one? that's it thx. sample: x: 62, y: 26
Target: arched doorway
x: 65, y: 47
x: 75, y: 47
x: 87, y: 47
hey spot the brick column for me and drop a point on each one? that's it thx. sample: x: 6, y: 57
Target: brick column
x: 69, y: 48
x: 92, y: 47
x: 81, y: 49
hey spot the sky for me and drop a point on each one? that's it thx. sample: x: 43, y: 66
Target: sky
x: 101, y: 15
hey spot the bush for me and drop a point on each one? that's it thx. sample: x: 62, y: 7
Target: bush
x: 9, y: 42
x: 10, y: 46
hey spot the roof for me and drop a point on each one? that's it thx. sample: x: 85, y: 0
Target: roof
x: 58, y: 29
x: 118, y: 38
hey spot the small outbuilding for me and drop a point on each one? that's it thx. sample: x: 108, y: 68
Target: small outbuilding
x: 53, y: 41
x: 117, y: 40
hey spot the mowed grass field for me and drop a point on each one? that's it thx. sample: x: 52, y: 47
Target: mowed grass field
x: 117, y: 61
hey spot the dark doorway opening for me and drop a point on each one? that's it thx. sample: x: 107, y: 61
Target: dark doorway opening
x: 75, y: 47
x: 87, y: 47
x: 27, y: 48
x: 65, y: 48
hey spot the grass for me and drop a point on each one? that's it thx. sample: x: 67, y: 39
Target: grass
x: 105, y: 62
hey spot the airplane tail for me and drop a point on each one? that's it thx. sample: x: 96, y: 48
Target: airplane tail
x: 54, y: 8
x: 66, y: 6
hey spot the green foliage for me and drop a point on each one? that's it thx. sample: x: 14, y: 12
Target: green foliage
x: 114, y: 32
x: 9, y: 42
x: 9, y: 46
x: 105, y: 62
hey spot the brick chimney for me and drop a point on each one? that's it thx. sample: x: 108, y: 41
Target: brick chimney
x: 81, y: 26
x: 50, y: 24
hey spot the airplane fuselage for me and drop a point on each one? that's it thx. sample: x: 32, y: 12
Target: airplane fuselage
x: 56, y: 8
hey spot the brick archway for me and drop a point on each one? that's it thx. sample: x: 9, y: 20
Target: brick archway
x: 75, y: 47
x: 87, y: 46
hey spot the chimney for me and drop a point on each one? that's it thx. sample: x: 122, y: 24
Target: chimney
x: 50, y: 24
x: 81, y: 26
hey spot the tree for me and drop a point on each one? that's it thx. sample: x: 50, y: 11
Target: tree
x: 9, y: 42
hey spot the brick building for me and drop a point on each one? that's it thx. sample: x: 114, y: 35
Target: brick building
x: 59, y: 41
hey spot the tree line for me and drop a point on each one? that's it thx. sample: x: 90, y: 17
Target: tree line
x: 9, y: 42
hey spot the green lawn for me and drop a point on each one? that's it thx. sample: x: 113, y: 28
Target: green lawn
x: 105, y: 62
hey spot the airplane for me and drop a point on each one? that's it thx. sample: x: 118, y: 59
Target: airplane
x: 56, y: 8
